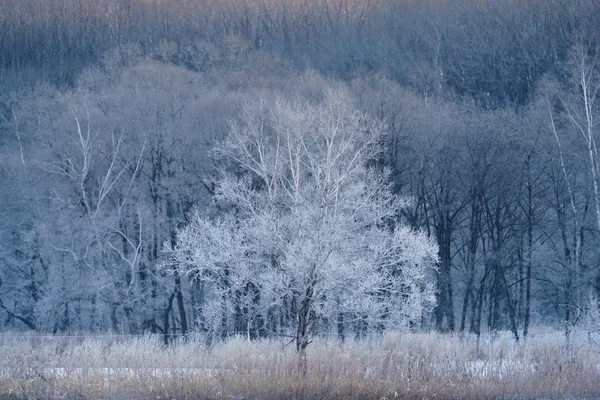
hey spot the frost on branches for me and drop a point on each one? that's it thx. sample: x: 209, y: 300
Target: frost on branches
x: 311, y: 234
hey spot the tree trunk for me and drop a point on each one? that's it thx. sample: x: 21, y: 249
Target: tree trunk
x: 301, y: 344
x: 224, y: 327
x: 474, y: 234
x: 166, y: 318
x: 340, y: 327
x: 180, y: 305
x: 478, y: 306
x: 302, y: 330
x: 528, y: 287
x: 197, y: 300
x: 511, y: 311
x: 444, y: 307
x: 465, y: 305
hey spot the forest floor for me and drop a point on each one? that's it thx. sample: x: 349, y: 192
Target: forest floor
x: 403, y: 366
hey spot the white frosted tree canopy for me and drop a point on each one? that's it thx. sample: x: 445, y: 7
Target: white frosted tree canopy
x: 311, y: 223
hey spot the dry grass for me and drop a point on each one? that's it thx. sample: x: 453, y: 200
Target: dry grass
x: 394, y: 366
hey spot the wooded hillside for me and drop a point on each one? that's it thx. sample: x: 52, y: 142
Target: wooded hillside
x: 110, y: 109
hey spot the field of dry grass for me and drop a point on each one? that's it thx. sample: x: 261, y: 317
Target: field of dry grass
x: 410, y: 366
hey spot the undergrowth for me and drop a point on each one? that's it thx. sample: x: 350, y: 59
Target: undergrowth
x: 402, y: 366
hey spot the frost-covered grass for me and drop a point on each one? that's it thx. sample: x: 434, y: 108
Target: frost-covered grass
x: 427, y: 365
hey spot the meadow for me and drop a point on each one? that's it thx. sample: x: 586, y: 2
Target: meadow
x: 403, y: 366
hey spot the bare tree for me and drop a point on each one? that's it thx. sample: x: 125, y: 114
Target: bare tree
x: 572, y: 111
x: 312, y: 222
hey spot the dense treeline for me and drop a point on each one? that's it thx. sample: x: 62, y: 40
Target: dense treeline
x: 493, y: 51
x: 110, y: 108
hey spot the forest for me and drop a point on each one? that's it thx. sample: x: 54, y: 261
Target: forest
x: 128, y: 207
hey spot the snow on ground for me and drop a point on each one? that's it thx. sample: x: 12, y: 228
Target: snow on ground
x: 111, y: 372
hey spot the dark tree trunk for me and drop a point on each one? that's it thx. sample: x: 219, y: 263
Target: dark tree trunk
x: 529, y: 254
x: 178, y: 291
x: 512, y: 314
x: 527, y: 311
x: 303, y: 321
x: 197, y: 300
x: 302, y: 342
x: 444, y: 308
x: 224, y: 327
x: 166, y: 315
x: 240, y: 314
x: 340, y: 327
x: 465, y: 305
x: 180, y: 305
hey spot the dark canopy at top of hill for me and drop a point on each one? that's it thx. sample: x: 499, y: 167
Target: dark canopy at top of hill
x: 492, y: 51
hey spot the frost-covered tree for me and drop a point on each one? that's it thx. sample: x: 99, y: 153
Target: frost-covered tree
x: 312, y: 227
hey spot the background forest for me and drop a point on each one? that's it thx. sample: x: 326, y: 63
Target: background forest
x: 109, y: 110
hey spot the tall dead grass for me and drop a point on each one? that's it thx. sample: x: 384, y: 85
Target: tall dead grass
x: 410, y: 366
